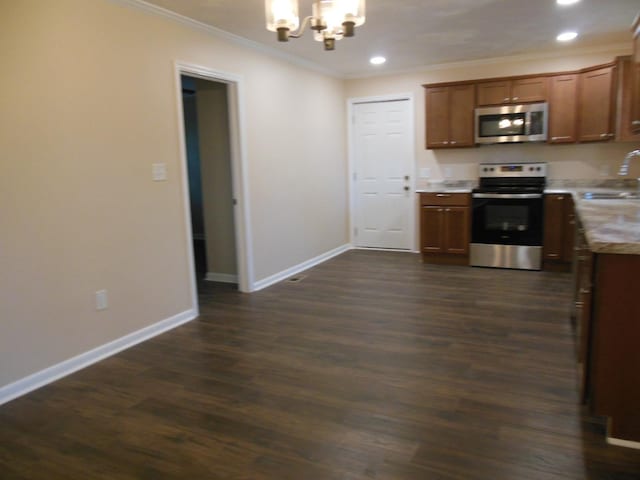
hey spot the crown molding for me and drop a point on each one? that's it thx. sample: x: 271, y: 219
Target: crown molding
x: 614, y: 48
x: 227, y: 36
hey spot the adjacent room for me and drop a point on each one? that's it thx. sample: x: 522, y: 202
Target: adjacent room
x: 320, y: 239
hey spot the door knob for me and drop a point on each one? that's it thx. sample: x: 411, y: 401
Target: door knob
x: 406, y: 188
x: 406, y: 177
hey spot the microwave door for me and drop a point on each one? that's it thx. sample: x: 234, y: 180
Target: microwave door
x: 502, y: 125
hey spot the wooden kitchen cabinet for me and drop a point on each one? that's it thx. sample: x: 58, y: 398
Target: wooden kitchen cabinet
x: 635, y: 78
x: 583, y: 301
x: 559, y: 232
x: 614, y: 358
x: 596, y: 105
x: 445, y: 227
x: 449, y: 116
x: 563, y: 108
x: 624, y: 123
x: 520, y: 90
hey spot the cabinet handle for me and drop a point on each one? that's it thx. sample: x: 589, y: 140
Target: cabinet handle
x: 448, y: 210
x: 606, y: 135
x: 585, y: 291
x: 560, y: 138
x: 506, y: 99
x: 446, y: 142
x: 515, y: 99
x: 635, y: 123
x: 453, y: 142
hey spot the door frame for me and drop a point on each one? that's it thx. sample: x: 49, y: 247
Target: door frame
x: 239, y: 172
x: 351, y: 134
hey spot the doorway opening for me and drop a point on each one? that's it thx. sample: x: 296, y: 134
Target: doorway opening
x: 213, y: 179
x: 206, y: 126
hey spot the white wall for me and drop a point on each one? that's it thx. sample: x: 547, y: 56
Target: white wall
x: 585, y: 161
x: 88, y: 102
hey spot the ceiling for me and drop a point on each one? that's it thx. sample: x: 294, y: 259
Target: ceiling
x: 414, y: 34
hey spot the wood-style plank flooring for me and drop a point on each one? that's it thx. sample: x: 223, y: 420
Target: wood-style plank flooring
x: 373, y: 366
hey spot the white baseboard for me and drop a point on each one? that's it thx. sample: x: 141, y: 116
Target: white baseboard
x: 377, y: 249
x: 278, y: 277
x: 221, y: 277
x: 623, y: 443
x: 67, y: 367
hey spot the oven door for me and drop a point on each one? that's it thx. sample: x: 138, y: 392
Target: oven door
x: 507, y: 230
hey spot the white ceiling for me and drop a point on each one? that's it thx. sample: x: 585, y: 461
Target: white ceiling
x: 421, y: 33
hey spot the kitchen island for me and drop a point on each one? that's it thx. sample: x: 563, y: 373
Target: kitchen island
x: 608, y: 312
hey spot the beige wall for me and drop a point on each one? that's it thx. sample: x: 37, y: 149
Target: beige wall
x: 215, y: 161
x: 88, y: 103
x: 570, y: 161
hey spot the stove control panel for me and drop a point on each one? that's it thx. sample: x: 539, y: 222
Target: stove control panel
x: 505, y: 170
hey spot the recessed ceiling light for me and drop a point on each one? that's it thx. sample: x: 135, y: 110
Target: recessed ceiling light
x: 377, y: 60
x: 566, y: 36
x: 566, y: 2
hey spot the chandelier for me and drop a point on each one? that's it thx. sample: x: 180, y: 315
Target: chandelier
x: 330, y: 20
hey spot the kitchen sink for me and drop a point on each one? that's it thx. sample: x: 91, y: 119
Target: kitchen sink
x: 611, y: 196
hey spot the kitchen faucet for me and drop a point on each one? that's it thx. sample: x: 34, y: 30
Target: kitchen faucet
x: 624, y: 168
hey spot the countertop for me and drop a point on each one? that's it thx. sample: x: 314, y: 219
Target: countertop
x: 611, y: 226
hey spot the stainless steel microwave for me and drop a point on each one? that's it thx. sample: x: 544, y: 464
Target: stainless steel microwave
x: 512, y: 123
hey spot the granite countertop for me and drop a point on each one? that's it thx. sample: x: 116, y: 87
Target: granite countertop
x: 611, y: 226
x: 443, y: 190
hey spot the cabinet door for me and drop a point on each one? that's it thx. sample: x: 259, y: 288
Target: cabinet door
x: 554, y: 227
x: 456, y: 230
x: 624, y: 124
x: 461, y: 109
x: 494, y: 93
x: 635, y: 79
x: 563, y: 109
x: 596, y: 105
x: 431, y: 229
x: 437, y: 117
x: 529, y: 90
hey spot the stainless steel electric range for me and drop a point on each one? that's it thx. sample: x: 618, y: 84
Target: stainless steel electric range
x: 507, y: 216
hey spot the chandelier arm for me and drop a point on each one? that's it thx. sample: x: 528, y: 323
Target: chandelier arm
x: 300, y: 30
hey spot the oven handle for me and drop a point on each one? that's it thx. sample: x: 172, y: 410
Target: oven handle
x: 506, y: 195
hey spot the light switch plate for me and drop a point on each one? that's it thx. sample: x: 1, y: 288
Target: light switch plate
x: 102, y: 300
x: 159, y: 172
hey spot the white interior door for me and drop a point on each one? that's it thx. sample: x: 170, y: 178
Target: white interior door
x: 383, y: 165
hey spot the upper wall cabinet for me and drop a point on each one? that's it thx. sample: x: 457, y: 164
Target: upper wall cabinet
x: 521, y: 90
x: 635, y: 78
x: 449, y: 116
x: 563, y: 108
x: 597, y: 104
x: 624, y: 122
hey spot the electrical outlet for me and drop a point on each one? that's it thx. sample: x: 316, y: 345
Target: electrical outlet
x: 425, y: 172
x: 102, y: 300
x: 605, y: 170
x: 448, y: 173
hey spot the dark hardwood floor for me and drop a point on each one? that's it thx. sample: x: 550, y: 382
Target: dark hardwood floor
x: 373, y: 366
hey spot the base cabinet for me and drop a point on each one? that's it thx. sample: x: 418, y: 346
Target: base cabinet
x: 559, y: 232
x: 614, y: 360
x: 445, y: 228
